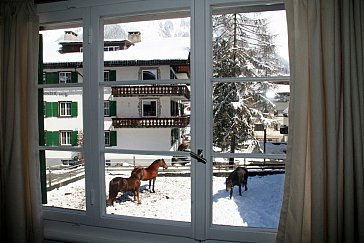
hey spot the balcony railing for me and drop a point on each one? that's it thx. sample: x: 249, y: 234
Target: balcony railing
x: 151, y: 122
x: 157, y: 90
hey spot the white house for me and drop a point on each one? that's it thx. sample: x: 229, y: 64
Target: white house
x: 149, y: 117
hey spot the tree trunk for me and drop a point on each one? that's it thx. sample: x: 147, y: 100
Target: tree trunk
x: 232, y: 150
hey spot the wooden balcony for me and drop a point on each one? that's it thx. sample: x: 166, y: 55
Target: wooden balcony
x: 153, y: 90
x: 151, y: 122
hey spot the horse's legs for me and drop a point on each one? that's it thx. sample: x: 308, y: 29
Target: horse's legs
x: 153, y: 184
x: 150, y: 185
x: 231, y: 192
x: 137, y: 194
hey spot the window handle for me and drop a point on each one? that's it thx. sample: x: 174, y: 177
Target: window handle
x: 199, y: 156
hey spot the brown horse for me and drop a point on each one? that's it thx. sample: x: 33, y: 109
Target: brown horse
x: 151, y: 172
x: 119, y: 184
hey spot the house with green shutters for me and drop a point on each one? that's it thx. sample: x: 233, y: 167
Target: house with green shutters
x: 134, y: 115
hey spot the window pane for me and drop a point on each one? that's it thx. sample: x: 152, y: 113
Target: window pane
x: 250, y: 44
x: 259, y: 205
x: 61, y: 110
x: 250, y: 103
x: 172, y: 187
x: 146, y: 115
x: 65, y: 179
x: 249, y: 117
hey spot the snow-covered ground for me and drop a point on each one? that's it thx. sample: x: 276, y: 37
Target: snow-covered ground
x: 257, y: 207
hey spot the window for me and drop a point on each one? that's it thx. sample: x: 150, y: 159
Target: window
x: 110, y: 138
x: 149, y: 108
x: 109, y: 108
x: 106, y: 76
x: 106, y: 108
x: 65, y: 108
x: 66, y: 137
x: 111, y: 48
x: 109, y: 75
x: 64, y: 77
x: 149, y: 74
x: 149, y: 124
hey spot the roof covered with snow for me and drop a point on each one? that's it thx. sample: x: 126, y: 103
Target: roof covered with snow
x: 158, y: 49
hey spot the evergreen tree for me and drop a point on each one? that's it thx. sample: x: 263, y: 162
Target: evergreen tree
x: 242, y: 47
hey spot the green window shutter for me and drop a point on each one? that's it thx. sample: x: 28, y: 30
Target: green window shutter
x: 74, y: 138
x: 74, y: 77
x: 113, y: 138
x: 74, y: 109
x: 52, y: 138
x: 48, y: 106
x: 112, y: 75
x: 51, y: 109
x: 112, y: 107
x: 56, y: 138
x: 54, y: 109
x: 51, y: 78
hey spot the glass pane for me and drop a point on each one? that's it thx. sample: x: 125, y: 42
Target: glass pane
x: 170, y: 191
x: 250, y: 44
x: 65, y: 180
x: 259, y: 203
x: 61, y: 119
x: 147, y: 108
x: 250, y: 117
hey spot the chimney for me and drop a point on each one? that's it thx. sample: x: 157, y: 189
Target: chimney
x: 134, y: 36
x: 70, y: 35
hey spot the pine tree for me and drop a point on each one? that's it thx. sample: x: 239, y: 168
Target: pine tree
x: 242, y: 47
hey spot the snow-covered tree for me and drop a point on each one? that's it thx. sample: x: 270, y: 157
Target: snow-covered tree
x: 242, y: 47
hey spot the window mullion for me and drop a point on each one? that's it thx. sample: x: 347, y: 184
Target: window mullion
x: 92, y: 130
x: 198, y: 119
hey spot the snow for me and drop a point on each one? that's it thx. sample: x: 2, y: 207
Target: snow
x: 173, y: 49
x: 259, y: 206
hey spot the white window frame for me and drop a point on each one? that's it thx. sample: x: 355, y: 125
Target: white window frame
x: 142, y: 101
x: 94, y: 224
x: 106, y: 108
x: 65, y: 77
x: 65, y: 108
x: 107, y: 138
x: 106, y: 75
x: 65, y: 137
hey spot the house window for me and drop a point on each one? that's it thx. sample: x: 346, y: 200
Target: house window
x: 109, y: 108
x: 106, y: 76
x: 149, y: 73
x: 149, y: 108
x: 110, y: 138
x: 65, y: 77
x: 65, y: 108
x: 109, y: 75
x: 106, y: 108
x: 111, y: 48
x: 107, y: 138
x: 66, y: 137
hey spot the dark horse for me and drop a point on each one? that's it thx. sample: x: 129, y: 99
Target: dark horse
x: 151, y: 172
x: 119, y: 184
x: 238, y: 177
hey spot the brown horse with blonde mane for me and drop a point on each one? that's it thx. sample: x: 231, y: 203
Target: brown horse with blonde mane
x: 151, y: 172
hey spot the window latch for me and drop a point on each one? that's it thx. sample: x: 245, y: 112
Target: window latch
x: 198, y: 156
